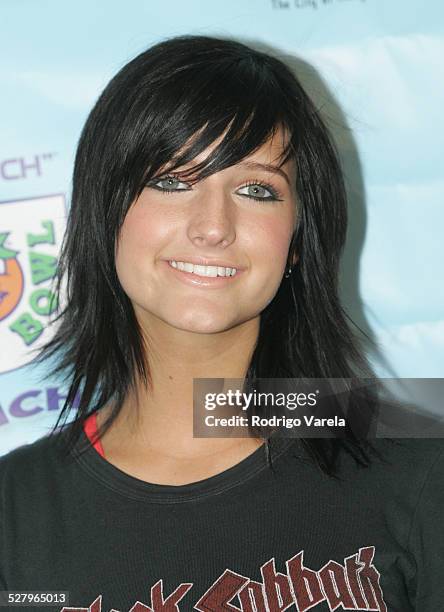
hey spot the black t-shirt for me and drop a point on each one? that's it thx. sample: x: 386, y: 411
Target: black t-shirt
x: 247, y: 539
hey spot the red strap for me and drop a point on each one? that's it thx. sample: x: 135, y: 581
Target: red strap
x: 90, y: 429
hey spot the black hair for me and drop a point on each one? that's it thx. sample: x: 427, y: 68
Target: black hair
x: 204, y: 87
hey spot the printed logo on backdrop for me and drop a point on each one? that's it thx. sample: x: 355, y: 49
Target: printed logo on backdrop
x: 31, y: 232
x: 20, y: 168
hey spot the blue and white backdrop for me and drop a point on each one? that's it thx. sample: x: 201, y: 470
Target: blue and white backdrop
x: 375, y: 68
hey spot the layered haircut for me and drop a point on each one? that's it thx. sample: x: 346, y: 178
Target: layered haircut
x: 191, y: 90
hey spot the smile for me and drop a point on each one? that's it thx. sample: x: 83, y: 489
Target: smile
x: 199, y: 270
x: 203, y: 277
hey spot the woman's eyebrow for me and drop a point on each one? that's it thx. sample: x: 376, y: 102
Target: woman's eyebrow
x: 267, y: 167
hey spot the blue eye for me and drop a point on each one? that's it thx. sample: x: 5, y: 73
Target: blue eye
x: 171, y: 182
x: 256, y: 189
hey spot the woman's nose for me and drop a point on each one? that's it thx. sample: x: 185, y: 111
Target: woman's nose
x: 213, y: 220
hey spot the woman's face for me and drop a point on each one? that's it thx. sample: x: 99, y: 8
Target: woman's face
x: 215, y: 222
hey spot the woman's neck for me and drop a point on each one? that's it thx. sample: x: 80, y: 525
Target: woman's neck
x: 160, y: 419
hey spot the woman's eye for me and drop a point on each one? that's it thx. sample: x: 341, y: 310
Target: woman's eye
x: 168, y: 183
x: 260, y: 192
x: 254, y: 189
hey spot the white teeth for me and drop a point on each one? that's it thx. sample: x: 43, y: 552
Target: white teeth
x: 210, y: 270
x: 200, y: 270
x: 203, y: 270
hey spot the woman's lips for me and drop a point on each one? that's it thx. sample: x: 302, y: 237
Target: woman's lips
x: 190, y: 278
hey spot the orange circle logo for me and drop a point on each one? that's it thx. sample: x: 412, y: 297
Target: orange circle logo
x: 11, y: 279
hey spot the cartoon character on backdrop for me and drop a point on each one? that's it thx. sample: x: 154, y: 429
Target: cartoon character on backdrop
x: 11, y: 278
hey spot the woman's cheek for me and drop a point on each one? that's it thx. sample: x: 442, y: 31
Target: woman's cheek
x: 275, y: 242
x: 132, y: 254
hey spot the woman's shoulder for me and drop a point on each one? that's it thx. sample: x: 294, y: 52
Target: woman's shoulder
x: 25, y: 463
x: 413, y: 495
x: 416, y: 452
x: 405, y: 458
x: 406, y: 472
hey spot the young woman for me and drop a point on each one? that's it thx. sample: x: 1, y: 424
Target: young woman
x: 202, y: 156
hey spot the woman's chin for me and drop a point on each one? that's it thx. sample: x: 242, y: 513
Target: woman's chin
x: 202, y: 323
x: 191, y: 318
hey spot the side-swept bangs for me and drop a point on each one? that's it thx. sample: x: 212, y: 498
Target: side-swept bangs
x: 167, y: 108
